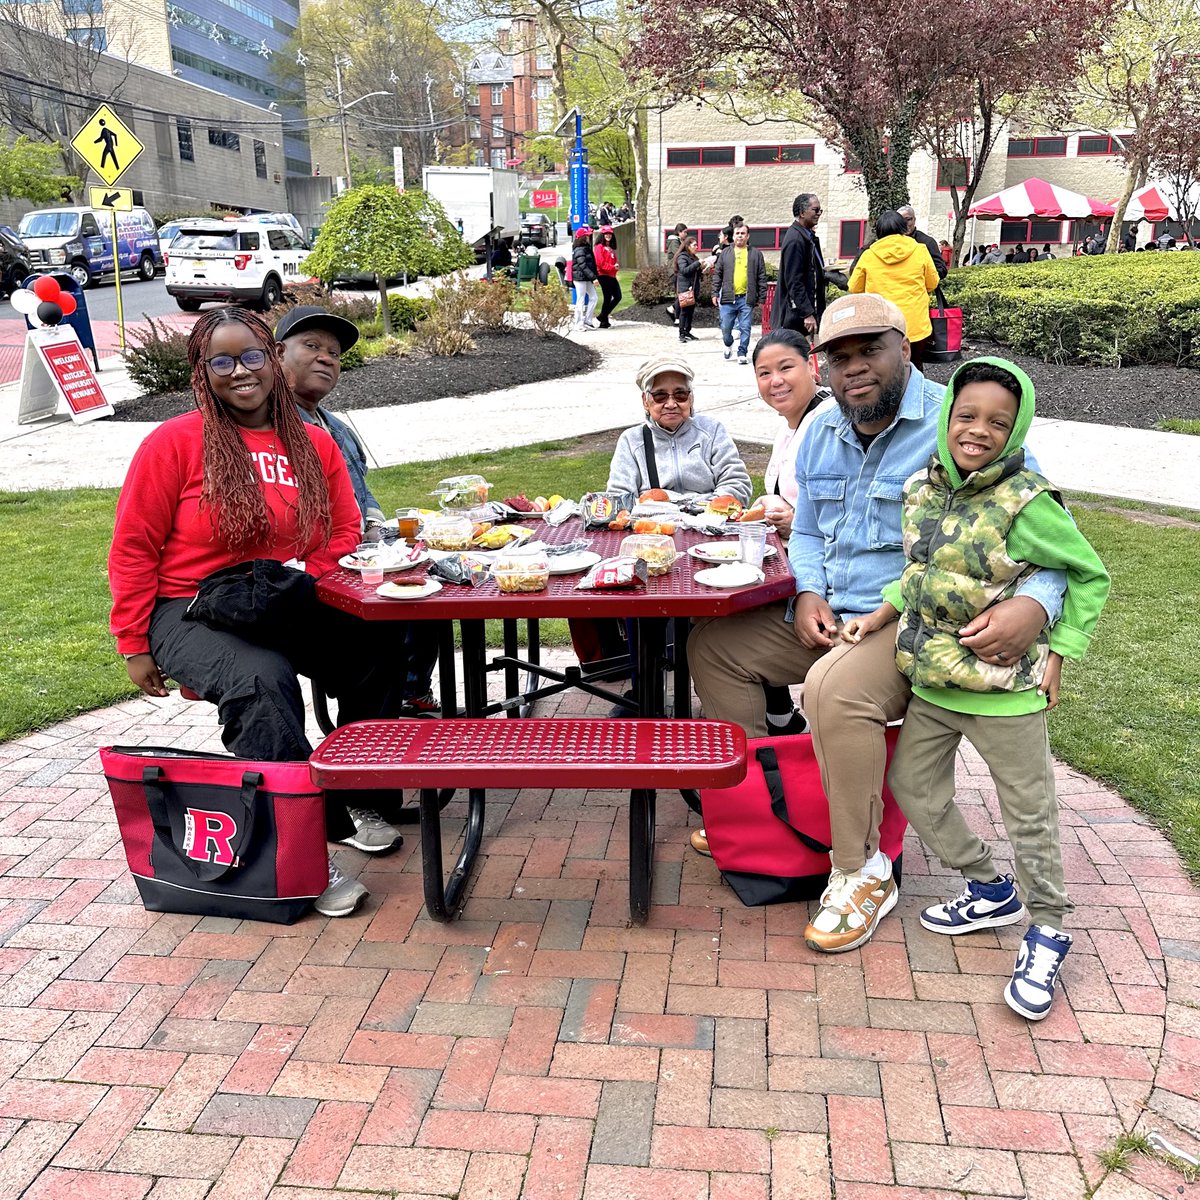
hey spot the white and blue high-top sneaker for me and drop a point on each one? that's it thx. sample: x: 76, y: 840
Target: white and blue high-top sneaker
x: 981, y: 906
x: 1030, y: 991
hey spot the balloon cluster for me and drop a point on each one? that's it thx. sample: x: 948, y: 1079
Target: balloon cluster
x: 45, y: 299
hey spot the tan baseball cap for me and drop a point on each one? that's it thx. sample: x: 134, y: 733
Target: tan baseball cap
x: 660, y: 364
x: 856, y: 316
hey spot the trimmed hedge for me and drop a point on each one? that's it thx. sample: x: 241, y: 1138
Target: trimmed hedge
x: 1107, y: 310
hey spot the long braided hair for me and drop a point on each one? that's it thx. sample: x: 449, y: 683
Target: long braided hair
x: 231, y: 488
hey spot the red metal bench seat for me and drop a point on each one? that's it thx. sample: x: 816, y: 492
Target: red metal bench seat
x: 641, y: 755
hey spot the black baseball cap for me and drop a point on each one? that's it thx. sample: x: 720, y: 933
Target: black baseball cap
x: 311, y: 316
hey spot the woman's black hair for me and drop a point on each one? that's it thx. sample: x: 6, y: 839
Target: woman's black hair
x: 984, y: 372
x: 783, y: 337
x: 889, y: 223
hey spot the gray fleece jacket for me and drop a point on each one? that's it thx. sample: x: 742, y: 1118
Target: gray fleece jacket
x: 698, y: 457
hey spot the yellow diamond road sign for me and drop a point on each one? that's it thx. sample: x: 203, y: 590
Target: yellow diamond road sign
x: 118, y: 199
x: 107, y: 145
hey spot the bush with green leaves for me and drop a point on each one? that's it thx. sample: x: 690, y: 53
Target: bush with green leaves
x: 379, y: 231
x: 406, y: 311
x: 1109, y: 310
x: 547, y: 306
x: 157, y: 358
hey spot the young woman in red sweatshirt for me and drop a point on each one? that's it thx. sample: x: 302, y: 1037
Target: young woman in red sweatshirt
x: 241, y: 478
x: 607, y: 267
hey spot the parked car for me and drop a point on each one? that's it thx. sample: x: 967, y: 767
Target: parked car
x: 538, y: 230
x: 14, y: 261
x: 80, y: 242
x: 242, y: 260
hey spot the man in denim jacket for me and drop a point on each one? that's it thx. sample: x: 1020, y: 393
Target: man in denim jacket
x: 845, y: 546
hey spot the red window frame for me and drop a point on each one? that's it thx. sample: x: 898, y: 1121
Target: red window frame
x: 941, y: 162
x: 702, y: 150
x: 1035, y: 150
x: 862, y: 237
x: 779, y: 160
x: 1109, y: 150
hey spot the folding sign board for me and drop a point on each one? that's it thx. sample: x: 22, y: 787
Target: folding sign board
x: 55, y: 369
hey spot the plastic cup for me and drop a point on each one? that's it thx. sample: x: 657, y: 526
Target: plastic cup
x: 752, y: 543
x: 408, y: 521
x: 372, y: 576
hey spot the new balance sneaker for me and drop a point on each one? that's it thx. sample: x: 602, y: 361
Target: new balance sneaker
x: 699, y: 840
x: 372, y: 834
x: 852, y: 905
x: 1030, y: 991
x: 981, y: 906
x: 342, y: 896
x: 728, y: 353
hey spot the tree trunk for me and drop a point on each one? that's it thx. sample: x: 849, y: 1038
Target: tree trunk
x: 1134, y: 177
x: 384, y: 311
x: 884, y: 171
x: 636, y: 131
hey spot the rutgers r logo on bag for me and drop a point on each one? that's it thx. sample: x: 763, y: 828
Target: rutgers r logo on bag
x: 208, y: 836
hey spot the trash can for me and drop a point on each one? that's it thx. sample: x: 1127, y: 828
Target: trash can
x: 768, y: 304
x: 79, y: 319
x: 527, y: 268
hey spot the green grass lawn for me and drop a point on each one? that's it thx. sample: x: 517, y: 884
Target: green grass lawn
x: 1129, y: 712
x: 1173, y: 424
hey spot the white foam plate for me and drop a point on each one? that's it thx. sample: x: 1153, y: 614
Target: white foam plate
x: 719, y: 577
x: 398, y: 591
x: 571, y: 564
x: 347, y: 561
x: 721, y: 552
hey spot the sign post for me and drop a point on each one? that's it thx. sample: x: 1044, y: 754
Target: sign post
x: 110, y: 148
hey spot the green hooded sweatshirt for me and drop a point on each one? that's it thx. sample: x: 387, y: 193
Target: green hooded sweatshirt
x: 970, y: 543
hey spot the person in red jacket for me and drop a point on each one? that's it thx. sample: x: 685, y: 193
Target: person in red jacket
x: 243, y: 478
x: 607, y: 266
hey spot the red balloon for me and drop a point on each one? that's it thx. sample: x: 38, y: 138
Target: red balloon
x: 46, y: 288
x: 67, y: 303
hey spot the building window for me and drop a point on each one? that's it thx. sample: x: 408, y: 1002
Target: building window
x: 162, y: 137
x: 75, y: 8
x: 476, y: 127
x: 499, y: 157
x: 851, y: 238
x: 224, y: 139
x: 701, y: 156
x: 183, y: 133
x: 207, y: 66
x: 1098, y: 145
x: 779, y: 155
x: 545, y: 89
x: 952, y: 172
x: 497, y: 94
x: 765, y: 237
x: 90, y: 36
x: 473, y: 96
x: 1031, y: 233
x: 260, y: 159
x: 498, y: 129
x: 1038, y: 147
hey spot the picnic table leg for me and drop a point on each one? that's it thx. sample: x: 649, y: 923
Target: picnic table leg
x: 443, y: 900
x: 652, y: 651
x: 447, y: 682
x: 641, y: 853
x: 683, y: 677
x: 474, y: 667
x: 512, y: 671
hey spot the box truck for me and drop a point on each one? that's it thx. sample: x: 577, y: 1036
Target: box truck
x: 482, y: 198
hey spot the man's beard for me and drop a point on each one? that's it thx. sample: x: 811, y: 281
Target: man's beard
x: 884, y: 409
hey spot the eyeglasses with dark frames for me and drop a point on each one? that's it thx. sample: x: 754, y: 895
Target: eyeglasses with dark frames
x: 226, y: 364
x: 679, y: 395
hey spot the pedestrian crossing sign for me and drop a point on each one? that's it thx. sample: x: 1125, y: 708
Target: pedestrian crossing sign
x: 107, y: 145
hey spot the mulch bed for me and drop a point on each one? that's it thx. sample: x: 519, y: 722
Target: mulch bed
x: 1137, y: 397
x: 500, y: 360
x: 656, y: 314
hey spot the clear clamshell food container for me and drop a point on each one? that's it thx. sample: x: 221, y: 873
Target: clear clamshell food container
x: 522, y: 573
x: 657, y: 550
x: 447, y: 531
x: 462, y: 491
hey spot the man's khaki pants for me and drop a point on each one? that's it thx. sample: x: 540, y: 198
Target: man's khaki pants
x: 1017, y: 752
x: 851, y: 692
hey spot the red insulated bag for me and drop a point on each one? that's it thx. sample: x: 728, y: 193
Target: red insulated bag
x: 219, y: 836
x: 769, y: 835
x: 947, y: 323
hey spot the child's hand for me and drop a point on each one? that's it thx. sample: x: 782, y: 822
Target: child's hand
x: 857, y: 628
x: 1051, y: 680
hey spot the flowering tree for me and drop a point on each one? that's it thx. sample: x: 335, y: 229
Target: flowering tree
x: 870, y: 69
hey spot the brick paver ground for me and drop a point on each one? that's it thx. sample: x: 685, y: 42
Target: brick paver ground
x: 540, y: 1047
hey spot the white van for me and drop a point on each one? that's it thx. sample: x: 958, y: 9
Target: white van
x: 240, y: 260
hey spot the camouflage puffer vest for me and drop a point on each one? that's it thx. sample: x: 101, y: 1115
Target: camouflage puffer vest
x: 955, y: 543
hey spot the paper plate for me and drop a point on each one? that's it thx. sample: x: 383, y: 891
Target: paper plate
x: 347, y: 561
x: 399, y: 591
x: 571, y: 564
x: 721, y: 552
x: 706, y: 577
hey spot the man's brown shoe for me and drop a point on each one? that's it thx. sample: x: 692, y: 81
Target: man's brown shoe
x: 700, y: 843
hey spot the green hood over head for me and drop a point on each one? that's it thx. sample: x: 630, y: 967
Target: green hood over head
x: 1020, y: 426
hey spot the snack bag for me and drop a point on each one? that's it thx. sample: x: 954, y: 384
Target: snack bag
x: 460, y: 569
x: 600, y: 509
x: 612, y: 573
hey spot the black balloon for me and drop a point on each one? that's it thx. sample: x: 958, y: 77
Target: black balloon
x: 49, y: 313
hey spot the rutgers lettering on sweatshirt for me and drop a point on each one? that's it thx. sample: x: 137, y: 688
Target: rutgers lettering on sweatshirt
x: 164, y: 542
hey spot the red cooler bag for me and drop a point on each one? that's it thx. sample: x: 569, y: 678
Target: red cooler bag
x: 769, y: 835
x: 947, y: 323
x: 219, y: 836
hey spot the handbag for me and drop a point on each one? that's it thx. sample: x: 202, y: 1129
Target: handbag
x: 686, y: 299
x: 254, y: 596
x: 769, y: 835
x: 218, y: 836
x: 946, y: 346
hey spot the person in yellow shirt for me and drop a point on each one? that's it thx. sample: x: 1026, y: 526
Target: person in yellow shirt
x: 899, y: 269
x: 739, y: 286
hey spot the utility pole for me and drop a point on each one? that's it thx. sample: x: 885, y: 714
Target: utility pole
x: 434, y: 140
x: 345, y: 108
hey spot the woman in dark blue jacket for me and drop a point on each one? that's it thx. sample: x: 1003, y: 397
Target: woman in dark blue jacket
x: 688, y: 270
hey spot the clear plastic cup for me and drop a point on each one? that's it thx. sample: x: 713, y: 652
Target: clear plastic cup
x: 752, y: 543
x: 372, y: 576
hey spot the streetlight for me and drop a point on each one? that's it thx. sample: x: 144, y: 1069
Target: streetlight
x: 345, y: 108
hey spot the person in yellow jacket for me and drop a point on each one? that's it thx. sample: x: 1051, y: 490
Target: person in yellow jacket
x: 899, y: 269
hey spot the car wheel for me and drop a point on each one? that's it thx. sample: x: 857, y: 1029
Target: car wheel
x: 80, y: 273
x: 272, y: 294
x: 188, y: 303
x: 146, y: 270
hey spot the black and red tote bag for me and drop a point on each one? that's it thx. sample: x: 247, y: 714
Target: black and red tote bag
x: 219, y: 836
x: 946, y: 346
x: 769, y: 835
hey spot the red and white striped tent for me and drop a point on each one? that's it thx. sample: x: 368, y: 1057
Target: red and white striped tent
x: 1148, y: 205
x: 1037, y: 198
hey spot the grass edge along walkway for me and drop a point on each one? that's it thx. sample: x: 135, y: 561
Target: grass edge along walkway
x: 1128, y: 715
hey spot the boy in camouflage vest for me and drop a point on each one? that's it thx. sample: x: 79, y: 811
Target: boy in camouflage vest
x: 976, y: 524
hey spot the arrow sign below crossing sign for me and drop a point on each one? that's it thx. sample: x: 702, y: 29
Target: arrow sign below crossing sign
x: 117, y: 199
x: 107, y: 145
